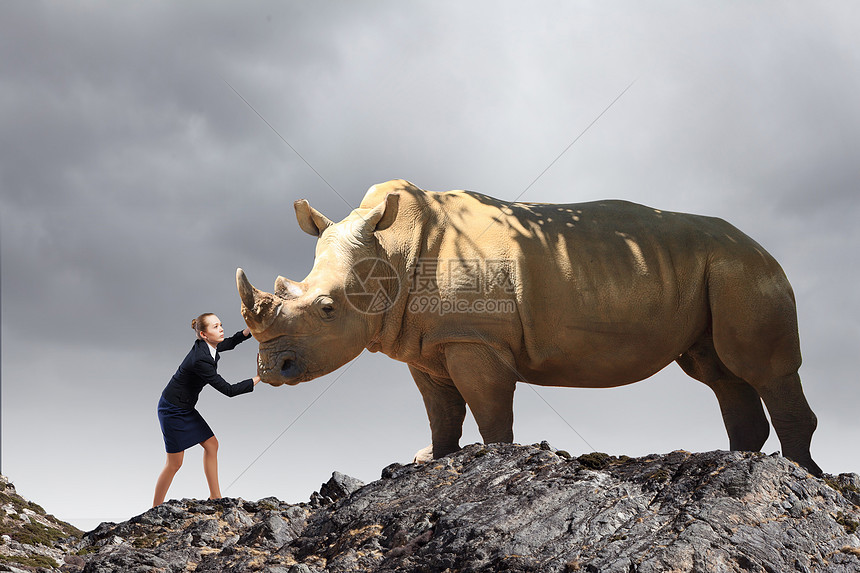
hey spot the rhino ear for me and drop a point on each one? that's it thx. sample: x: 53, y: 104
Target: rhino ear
x: 383, y: 215
x: 310, y: 220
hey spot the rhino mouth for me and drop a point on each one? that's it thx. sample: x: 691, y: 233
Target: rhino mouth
x: 281, y: 362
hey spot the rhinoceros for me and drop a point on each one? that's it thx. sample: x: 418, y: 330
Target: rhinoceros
x: 475, y: 294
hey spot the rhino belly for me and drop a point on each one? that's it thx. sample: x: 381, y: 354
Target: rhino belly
x: 618, y: 367
x: 601, y: 354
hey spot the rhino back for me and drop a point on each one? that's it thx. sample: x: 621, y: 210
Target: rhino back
x: 606, y: 293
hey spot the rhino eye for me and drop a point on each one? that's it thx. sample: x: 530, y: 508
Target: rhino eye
x: 326, y: 307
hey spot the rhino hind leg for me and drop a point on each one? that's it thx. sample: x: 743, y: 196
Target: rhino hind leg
x: 754, y: 328
x: 740, y: 404
x: 792, y: 418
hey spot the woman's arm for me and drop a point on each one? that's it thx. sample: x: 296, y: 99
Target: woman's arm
x: 206, y: 371
x: 230, y: 343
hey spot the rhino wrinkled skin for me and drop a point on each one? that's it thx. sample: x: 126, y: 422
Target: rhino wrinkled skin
x: 476, y: 294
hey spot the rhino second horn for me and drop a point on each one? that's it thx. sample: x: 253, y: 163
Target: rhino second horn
x: 285, y: 288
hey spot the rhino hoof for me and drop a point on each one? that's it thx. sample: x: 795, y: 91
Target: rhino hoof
x: 424, y: 455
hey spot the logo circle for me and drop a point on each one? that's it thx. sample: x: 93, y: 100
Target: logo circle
x: 372, y: 286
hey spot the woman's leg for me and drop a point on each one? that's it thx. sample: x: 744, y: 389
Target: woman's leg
x: 174, y: 462
x: 210, y: 466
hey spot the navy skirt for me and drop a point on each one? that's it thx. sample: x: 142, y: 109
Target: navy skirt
x: 181, y: 428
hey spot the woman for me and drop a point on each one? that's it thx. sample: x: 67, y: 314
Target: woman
x: 182, y: 425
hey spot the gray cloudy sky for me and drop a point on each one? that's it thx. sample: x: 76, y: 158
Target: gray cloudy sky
x: 133, y: 182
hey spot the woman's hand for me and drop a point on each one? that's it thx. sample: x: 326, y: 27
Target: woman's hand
x: 247, y: 331
x: 256, y: 380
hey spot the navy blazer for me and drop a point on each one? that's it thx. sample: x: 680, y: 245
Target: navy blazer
x: 199, y: 369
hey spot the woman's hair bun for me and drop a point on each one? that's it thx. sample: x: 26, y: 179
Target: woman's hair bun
x: 199, y: 323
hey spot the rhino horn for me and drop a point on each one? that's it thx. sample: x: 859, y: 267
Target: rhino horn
x: 285, y: 288
x: 259, y: 308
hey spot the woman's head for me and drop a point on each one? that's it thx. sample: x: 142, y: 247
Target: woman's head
x: 208, y: 327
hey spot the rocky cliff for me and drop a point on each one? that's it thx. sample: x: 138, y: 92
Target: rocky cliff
x: 511, y: 508
x: 29, y: 537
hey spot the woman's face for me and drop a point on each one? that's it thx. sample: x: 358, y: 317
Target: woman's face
x: 214, y: 332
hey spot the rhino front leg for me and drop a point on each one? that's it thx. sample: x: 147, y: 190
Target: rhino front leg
x: 446, y: 410
x: 486, y: 378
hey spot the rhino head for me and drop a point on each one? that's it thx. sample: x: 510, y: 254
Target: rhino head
x: 310, y: 328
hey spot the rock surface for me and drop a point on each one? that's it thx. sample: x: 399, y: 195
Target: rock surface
x: 512, y: 508
x: 30, y: 538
